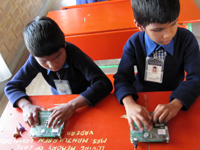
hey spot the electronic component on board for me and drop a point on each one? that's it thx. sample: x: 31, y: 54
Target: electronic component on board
x: 41, y: 130
x: 159, y: 133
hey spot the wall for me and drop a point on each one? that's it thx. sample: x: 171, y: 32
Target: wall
x: 14, y: 15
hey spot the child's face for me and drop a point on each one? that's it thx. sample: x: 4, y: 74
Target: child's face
x: 162, y: 34
x: 53, y: 62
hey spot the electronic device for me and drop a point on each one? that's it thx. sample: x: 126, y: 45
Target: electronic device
x: 41, y: 130
x: 159, y: 133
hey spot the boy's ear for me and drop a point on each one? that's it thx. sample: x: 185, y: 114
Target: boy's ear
x: 139, y: 26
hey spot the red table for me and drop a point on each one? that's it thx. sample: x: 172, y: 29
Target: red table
x: 101, y: 127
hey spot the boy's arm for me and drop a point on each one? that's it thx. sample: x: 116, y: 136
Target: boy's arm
x: 16, y: 93
x: 188, y: 91
x: 64, y: 111
x: 125, y: 91
x: 137, y: 114
x: 78, y: 102
x: 100, y: 86
x: 30, y: 111
x: 125, y: 76
x: 15, y: 88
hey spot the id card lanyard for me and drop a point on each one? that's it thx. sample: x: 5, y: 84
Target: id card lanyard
x: 154, y: 68
x: 62, y: 86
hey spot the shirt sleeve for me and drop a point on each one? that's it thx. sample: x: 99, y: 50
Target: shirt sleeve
x: 15, y: 88
x: 188, y: 91
x: 100, y: 85
x: 124, y: 78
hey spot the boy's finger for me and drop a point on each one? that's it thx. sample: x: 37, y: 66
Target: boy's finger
x: 35, y: 117
x: 31, y: 122
x: 155, y: 118
x: 51, y: 109
x: 42, y: 109
x: 159, y: 116
x: 60, y: 123
x: 148, y: 114
x: 50, y: 120
x: 139, y: 124
x: 146, y: 122
x: 27, y: 123
x: 167, y: 118
x: 156, y: 115
x: 163, y: 116
x: 130, y: 122
x: 58, y: 118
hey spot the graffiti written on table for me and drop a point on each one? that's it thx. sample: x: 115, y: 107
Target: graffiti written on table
x: 64, y: 140
x: 16, y: 141
x: 31, y: 147
x: 73, y: 140
x: 76, y: 140
x: 81, y: 133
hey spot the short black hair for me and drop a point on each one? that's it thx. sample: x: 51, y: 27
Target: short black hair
x: 155, y: 11
x: 43, y: 37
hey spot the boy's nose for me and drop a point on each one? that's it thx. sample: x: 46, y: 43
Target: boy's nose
x: 51, y: 65
x: 167, y: 34
x: 164, y: 36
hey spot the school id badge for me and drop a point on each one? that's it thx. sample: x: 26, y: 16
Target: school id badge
x: 154, y: 70
x: 63, y: 87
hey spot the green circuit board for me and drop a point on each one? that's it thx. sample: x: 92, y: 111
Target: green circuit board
x: 41, y: 130
x: 159, y: 133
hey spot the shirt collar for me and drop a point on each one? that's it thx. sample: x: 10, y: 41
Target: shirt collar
x: 64, y: 66
x: 151, y: 46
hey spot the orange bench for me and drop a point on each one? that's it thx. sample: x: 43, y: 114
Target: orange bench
x: 103, y: 35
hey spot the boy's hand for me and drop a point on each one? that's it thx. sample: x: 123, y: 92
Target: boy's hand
x: 30, y: 114
x: 30, y: 111
x: 164, y: 112
x: 137, y: 113
x: 65, y: 111
x: 62, y: 113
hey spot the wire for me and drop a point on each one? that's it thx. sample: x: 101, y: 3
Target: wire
x: 135, y: 142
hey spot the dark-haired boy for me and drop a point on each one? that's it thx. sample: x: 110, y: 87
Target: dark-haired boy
x: 161, y: 44
x: 64, y: 67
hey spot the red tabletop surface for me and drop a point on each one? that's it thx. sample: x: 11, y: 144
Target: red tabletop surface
x: 109, y: 16
x: 101, y: 127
